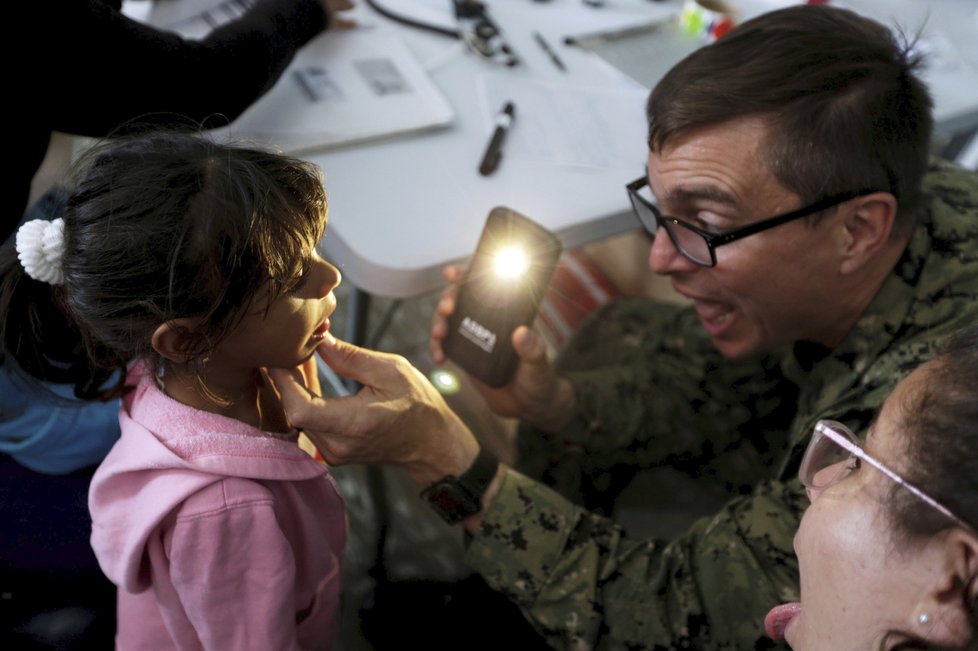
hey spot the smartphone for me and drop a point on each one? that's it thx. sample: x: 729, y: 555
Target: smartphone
x: 501, y: 290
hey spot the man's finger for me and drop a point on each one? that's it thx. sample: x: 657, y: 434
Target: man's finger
x: 307, y: 410
x: 290, y: 386
x: 446, y: 303
x: 529, y: 344
x: 453, y: 273
x: 359, y: 364
x: 435, y: 351
x: 337, y: 23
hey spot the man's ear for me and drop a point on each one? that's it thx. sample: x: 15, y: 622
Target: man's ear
x: 950, y: 602
x: 171, y: 339
x: 868, y: 227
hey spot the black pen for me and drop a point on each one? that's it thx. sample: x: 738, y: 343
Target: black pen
x: 494, y: 152
x: 596, y: 38
x: 549, y: 50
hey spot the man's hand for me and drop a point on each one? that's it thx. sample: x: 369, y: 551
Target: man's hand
x: 310, y: 375
x: 336, y: 21
x: 536, y: 394
x: 396, y: 418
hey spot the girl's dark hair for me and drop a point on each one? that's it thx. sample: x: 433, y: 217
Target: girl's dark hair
x: 941, y: 423
x: 839, y: 93
x: 160, y: 226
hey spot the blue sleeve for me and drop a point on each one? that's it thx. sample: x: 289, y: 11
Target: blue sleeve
x: 54, y: 434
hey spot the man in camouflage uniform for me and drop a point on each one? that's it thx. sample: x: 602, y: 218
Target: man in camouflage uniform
x: 809, y: 318
x: 585, y: 584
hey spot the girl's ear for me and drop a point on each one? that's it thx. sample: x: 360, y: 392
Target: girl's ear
x: 172, y: 338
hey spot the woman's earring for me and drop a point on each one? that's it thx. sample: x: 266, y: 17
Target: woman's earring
x: 923, y: 619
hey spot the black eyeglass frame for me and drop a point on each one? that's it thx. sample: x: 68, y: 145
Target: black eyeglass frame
x: 713, y: 240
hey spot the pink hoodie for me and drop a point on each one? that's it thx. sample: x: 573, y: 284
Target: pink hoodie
x: 219, y: 535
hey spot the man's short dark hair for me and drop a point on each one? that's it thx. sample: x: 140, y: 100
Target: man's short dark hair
x: 839, y: 91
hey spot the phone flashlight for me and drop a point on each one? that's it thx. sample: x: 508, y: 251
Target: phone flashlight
x: 510, y: 262
x: 501, y: 290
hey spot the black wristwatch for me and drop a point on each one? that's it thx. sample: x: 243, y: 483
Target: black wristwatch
x: 456, y: 498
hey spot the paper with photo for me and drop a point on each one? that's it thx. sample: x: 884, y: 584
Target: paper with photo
x: 343, y: 87
x: 571, y: 125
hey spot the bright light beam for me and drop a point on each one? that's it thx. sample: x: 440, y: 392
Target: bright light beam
x: 510, y: 262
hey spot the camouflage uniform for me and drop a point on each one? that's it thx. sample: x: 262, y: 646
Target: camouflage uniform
x: 651, y: 389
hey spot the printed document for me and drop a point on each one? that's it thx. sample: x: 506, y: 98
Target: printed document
x: 571, y: 125
x: 343, y: 87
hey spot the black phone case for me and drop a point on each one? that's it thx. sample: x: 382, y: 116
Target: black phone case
x: 489, y: 308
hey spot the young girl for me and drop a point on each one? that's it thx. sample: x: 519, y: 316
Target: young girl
x: 181, y: 269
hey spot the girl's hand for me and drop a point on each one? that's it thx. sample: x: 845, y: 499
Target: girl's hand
x: 333, y: 8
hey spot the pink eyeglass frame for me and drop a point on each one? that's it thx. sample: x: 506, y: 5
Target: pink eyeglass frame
x: 845, y: 439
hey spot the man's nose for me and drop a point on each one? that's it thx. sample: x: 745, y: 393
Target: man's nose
x: 665, y: 258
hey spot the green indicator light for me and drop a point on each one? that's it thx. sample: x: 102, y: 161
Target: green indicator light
x: 445, y: 381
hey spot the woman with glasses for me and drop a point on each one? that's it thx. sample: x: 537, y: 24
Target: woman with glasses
x: 888, y: 550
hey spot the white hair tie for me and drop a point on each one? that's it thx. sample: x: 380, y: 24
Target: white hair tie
x: 40, y: 247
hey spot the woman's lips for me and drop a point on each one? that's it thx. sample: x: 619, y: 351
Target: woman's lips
x: 778, y: 619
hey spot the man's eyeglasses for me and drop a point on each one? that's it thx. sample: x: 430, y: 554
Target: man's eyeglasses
x: 698, y: 245
x: 834, y: 452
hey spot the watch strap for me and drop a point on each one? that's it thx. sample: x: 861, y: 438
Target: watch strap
x: 456, y: 498
x: 477, y: 478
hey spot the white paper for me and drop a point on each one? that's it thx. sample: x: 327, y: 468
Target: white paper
x: 570, y: 125
x: 346, y: 87
x: 343, y: 87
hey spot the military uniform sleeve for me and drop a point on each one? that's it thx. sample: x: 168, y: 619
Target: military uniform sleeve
x: 584, y: 585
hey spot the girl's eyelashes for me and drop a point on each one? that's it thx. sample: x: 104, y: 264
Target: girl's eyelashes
x: 301, y: 281
x: 312, y: 260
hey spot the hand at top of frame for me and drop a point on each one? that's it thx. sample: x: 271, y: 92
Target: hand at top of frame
x: 333, y: 9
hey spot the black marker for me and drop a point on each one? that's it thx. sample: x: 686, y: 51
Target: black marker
x: 494, y: 152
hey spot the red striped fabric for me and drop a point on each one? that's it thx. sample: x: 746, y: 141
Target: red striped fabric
x: 577, y: 289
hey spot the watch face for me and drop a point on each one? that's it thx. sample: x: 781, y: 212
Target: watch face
x: 452, y: 502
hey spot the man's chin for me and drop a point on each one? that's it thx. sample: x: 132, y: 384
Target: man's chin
x: 731, y: 334
x: 737, y: 348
